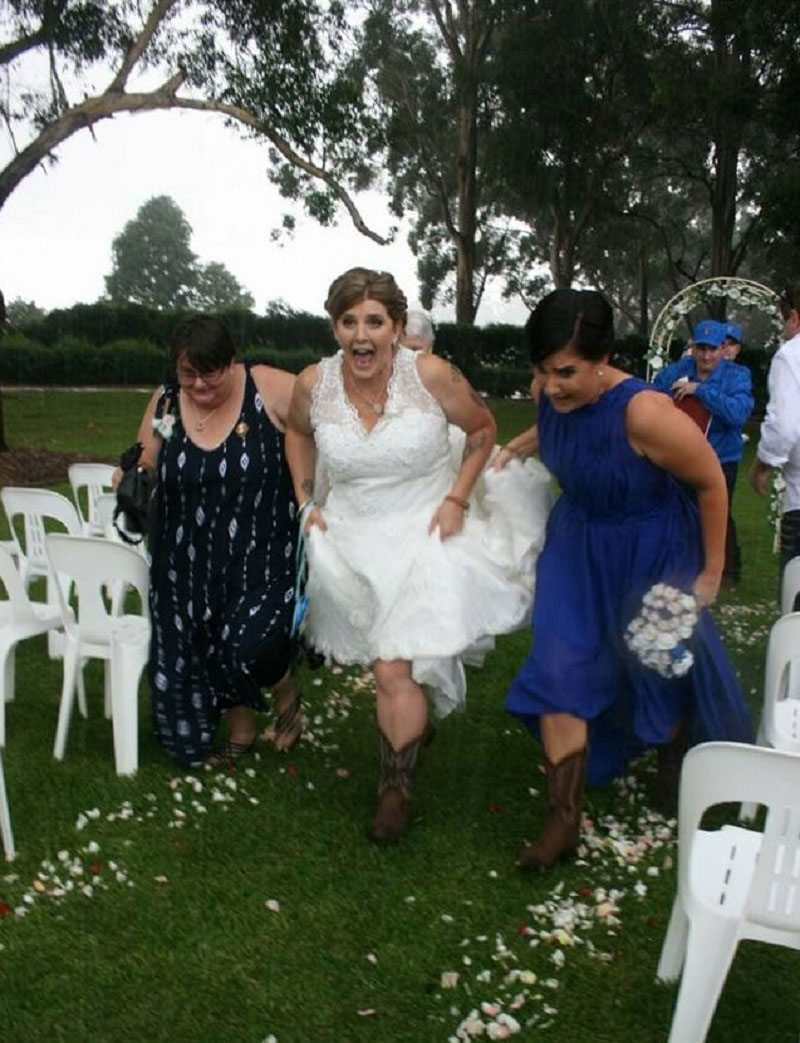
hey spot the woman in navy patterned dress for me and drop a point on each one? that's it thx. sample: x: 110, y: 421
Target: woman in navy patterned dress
x: 223, y: 550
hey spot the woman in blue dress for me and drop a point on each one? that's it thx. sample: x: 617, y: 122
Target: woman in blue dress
x: 223, y: 549
x: 624, y: 457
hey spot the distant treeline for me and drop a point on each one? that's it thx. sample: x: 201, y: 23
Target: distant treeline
x: 109, y: 344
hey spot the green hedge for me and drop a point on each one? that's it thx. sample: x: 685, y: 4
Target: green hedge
x: 73, y: 361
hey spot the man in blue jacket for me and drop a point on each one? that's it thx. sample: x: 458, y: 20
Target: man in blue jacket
x: 725, y: 388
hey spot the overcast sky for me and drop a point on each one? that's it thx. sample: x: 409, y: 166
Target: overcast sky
x: 57, y: 227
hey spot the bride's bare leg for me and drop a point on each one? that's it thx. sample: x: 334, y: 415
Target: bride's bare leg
x: 401, y: 704
x: 402, y: 719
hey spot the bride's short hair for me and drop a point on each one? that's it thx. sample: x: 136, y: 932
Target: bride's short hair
x: 362, y: 284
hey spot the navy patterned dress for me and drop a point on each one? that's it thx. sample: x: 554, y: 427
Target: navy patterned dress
x: 222, y: 576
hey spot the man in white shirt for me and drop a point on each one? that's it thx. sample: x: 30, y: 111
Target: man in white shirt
x: 779, y: 444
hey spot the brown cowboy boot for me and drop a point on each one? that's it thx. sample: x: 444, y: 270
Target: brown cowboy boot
x: 561, y: 831
x: 664, y: 788
x: 396, y: 772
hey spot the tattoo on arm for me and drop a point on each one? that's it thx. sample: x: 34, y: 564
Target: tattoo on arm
x: 476, y: 399
x: 457, y: 377
x: 473, y: 445
x: 455, y: 373
x: 307, y: 485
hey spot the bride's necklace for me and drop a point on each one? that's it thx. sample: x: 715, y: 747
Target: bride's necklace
x: 376, y: 407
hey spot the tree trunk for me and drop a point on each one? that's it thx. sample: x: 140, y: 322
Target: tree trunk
x: 732, y: 73
x: 644, y: 291
x: 723, y: 206
x: 3, y: 442
x: 467, y: 198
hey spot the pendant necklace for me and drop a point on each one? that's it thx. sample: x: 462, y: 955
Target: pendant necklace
x: 376, y: 407
x: 201, y: 423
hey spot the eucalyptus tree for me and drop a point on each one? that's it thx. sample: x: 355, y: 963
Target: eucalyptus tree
x: 275, y: 69
x: 572, y: 86
x: 428, y: 64
x: 720, y: 93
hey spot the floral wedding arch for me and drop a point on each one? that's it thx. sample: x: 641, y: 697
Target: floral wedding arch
x: 744, y: 293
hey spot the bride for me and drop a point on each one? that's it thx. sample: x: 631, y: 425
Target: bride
x: 408, y: 574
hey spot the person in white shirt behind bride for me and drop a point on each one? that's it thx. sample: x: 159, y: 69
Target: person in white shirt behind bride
x: 779, y: 442
x: 402, y: 577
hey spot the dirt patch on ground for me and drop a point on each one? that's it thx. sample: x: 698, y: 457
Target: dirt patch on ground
x: 38, y: 466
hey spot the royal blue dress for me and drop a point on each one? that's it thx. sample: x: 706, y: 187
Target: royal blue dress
x: 620, y: 525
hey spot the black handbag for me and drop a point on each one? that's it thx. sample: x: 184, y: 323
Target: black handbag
x: 136, y: 497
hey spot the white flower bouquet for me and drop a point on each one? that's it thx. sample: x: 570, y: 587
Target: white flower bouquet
x: 164, y: 425
x: 656, y: 635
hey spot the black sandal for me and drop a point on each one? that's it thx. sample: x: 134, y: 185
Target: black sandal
x: 288, y: 726
x: 230, y: 751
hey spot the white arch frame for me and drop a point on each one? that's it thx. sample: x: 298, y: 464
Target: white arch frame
x: 744, y: 292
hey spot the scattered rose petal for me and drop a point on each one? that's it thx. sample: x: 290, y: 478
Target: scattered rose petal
x: 273, y: 905
x: 449, y: 979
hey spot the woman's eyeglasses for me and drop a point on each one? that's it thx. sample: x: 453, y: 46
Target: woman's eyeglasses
x: 187, y: 376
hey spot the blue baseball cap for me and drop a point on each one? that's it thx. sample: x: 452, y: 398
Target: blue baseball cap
x: 733, y: 332
x: 710, y: 332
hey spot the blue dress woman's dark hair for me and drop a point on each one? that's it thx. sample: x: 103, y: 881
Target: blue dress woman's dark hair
x: 582, y: 319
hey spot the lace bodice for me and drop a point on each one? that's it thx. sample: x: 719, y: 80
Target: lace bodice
x: 402, y: 465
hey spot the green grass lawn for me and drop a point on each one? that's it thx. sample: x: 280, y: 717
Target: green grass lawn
x: 250, y: 905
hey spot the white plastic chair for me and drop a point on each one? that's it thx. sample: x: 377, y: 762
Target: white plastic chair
x: 790, y: 584
x: 733, y: 883
x: 20, y: 618
x: 5, y: 818
x: 121, y: 641
x: 95, y: 479
x: 780, y: 714
x: 37, y: 508
x: 104, y: 507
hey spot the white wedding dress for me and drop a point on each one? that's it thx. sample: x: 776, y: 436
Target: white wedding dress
x: 381, y: 587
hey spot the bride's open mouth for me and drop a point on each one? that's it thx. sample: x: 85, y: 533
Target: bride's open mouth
x: 362, y: 357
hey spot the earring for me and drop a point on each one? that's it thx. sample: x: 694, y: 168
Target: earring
x: 600, y: 372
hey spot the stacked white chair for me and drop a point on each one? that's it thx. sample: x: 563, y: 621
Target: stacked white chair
x: 20, y: 618
x: 39, y: 510
x: 36, y: 507
x: 790, y: 584
x: 780, y: 713
x: 96, y: 632
x: 95, y: 479
x: 5, y: 818
x: 733, y: 883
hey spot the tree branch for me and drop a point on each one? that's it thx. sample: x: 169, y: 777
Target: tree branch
x: 141, y: 43
x: 12, y: 50
x: 103, y: 106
